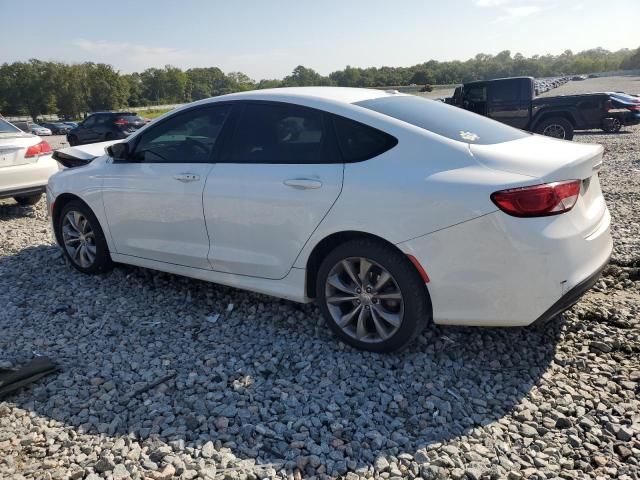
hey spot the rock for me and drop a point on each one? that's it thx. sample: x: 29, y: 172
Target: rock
x: 563, y: 422
x: 120, y: 472
x: 381, y: 464
x: 165, y: 474
x: 625, y: 434
x: 208, y: 450
x: 103, y: 465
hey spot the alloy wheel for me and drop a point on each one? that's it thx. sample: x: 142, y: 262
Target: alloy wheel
x: 555, y: 130
x: 79, y: 239
x: 364, y: 300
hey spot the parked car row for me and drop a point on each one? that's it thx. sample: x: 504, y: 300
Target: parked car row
x: 543, y: 85
x: 513, y: 101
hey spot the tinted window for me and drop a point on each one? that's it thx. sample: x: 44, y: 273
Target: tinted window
x: 446, y: 120
x: 268, y: 133
x: 187, y: 137
x: 360, y: 142
x: 89, y: 121
x: 476, y: 93
x: 131, y: 118
x: 6, y: 127
x: 504, y: 91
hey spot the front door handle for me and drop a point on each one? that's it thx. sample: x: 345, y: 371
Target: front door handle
x: 187, y: 177
x: 303, y: 183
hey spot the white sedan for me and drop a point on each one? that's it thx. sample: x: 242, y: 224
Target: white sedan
x: 25, y: 164
x: 388, y: 210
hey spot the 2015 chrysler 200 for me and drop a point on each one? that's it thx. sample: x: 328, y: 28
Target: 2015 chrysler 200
x: 389, y: 210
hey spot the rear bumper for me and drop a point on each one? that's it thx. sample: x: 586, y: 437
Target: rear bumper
x: 572, y: 297
x: 497, y: 270
x: 27, y: 179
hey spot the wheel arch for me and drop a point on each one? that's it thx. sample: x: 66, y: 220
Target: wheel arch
x: 59, y: 203
x: 545, y: 115
x: 327, y: 244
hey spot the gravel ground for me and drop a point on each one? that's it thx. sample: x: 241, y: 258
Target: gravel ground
x: 153, y: 386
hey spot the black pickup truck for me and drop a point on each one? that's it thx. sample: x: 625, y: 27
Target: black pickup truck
x: 512, y: 101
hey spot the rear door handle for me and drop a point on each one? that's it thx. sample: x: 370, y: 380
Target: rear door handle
x: 187, y: 177
x: 303, y: 183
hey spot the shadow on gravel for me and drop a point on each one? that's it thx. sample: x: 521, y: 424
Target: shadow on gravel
x: 141, y: 355
x: 598, y: 133
x: 10, y: 210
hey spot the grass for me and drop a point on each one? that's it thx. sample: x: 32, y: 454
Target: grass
x: 153, y: 112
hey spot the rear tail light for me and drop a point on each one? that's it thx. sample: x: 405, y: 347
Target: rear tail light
x: 38, y: 149
x: 635, y: 108
x: 121, y: 122
x: 538, y: 200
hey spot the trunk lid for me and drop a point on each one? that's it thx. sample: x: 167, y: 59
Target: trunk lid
x: 548, y: 160
x: 545, y: 158
x: 13, y: 147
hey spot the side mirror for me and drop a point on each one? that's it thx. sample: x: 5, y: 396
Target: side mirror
x: 118, y: 151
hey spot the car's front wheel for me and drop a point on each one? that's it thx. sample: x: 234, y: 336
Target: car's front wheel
x: 82, y: 239
x: 28, y: 200
x: 371, y: 296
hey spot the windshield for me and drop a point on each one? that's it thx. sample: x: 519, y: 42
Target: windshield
x: 445, y: 120
x: 6, y: 127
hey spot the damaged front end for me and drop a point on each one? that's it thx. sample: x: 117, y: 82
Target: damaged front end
x: 81, y: 155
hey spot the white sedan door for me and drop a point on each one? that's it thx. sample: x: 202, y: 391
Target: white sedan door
x: 153, y: 199
x: 272, y: 188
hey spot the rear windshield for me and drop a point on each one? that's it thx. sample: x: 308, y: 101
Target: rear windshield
x: 6, y: 127
x: 131, y: 118
x: 446, y: 120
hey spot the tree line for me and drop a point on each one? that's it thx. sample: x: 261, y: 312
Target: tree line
x: 39, y: 87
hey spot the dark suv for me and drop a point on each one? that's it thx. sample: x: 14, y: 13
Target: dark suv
x: 105, y: 126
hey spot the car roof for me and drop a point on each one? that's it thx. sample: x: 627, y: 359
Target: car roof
x: 347, y: 95
x: 112, y: 113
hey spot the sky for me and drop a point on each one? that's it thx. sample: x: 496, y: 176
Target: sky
x: 268, y: 39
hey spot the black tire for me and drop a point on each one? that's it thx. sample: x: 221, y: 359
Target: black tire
x: 552, y: 125
x: 102, y: 260
x: 614, y: 126
x: 73, y: 140
x: 28, y: 200
x: 415, y: 302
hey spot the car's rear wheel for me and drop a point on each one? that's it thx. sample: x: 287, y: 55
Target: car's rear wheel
x: 73, y: 140
x: 371, y: 296
x: 28, y: 200
x: 612, y: 125
x: 556, y: 127
x: 82, y: 239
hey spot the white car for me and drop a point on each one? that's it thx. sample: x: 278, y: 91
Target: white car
x: 25, y: 165
x: 39, y: 130
x: 388, y: 210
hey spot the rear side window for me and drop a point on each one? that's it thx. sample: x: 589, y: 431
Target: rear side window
x: 280, y: 133
x: 445, y: 120
x: 507, y: 91
x: 360, y: 142
x: 6, y: 127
